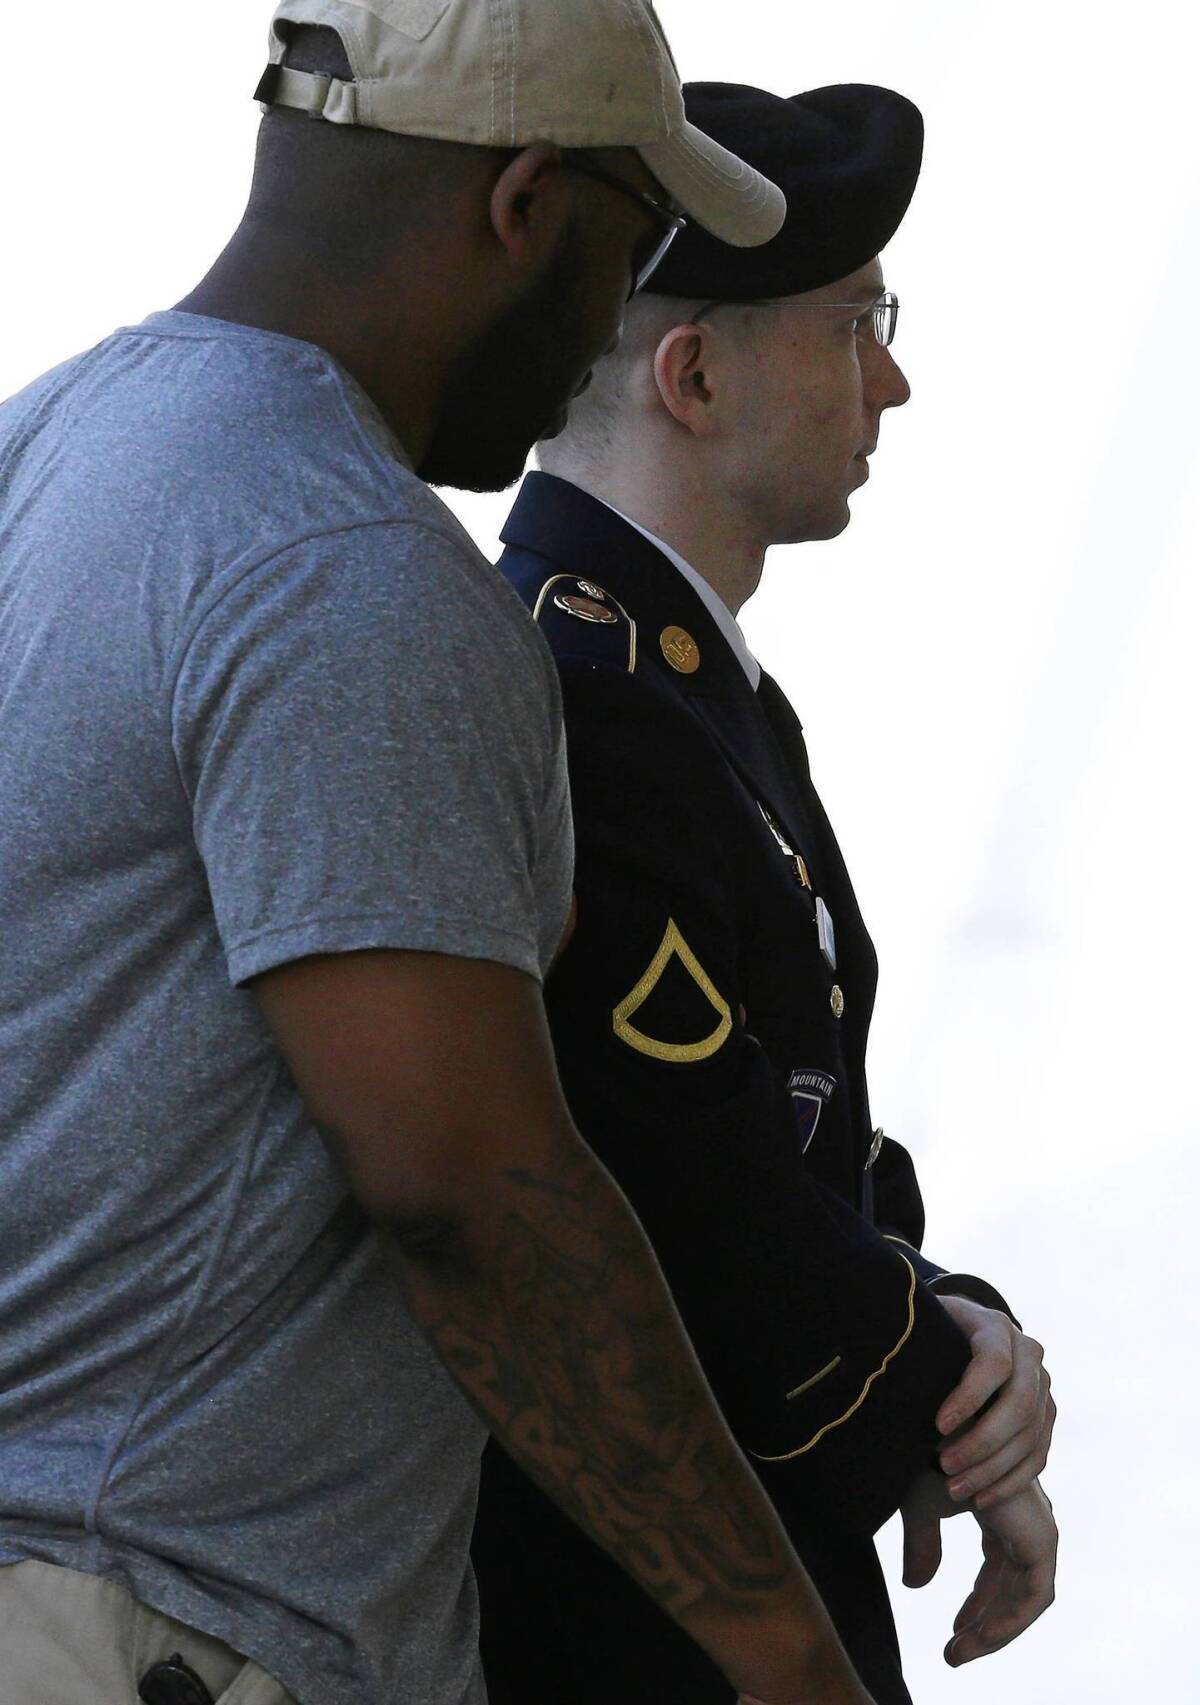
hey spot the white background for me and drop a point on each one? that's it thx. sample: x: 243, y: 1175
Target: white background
x: 995, y: 666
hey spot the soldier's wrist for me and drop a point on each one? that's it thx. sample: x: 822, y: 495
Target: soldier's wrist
x: 972, y: 1289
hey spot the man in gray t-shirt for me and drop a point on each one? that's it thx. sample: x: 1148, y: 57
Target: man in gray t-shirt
x: 293, y: 713
x: 284, y: 854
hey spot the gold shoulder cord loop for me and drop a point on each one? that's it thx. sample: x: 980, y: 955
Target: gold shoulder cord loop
x: 861, y: 1398
x: 557, y: 579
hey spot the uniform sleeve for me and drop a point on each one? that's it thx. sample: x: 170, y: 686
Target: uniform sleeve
x: 366, y: 735
x: 825, y: 1352
x: 900, y: 1216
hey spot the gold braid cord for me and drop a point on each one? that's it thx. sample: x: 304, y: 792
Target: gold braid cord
x: 862, y: 1396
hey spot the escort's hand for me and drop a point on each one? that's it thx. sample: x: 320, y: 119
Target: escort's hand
x: 818, y: 1693
x: 825, y: 1677
x: 1016, y: 1582
x: 843, y: 1696
x: 1006, y: 1449
x: 854, y: 1697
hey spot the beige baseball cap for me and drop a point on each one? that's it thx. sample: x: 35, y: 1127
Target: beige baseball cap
x: 505, y: 73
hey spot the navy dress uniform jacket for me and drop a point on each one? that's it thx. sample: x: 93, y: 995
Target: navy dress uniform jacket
x: 713, y: 1057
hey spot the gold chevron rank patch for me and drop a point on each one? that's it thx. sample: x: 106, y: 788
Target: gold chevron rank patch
x: 676, y: 998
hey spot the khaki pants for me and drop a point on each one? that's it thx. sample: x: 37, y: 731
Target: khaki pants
x: 68, y: 1638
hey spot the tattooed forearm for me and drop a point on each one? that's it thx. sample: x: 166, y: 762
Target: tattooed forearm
x: 558, y: 1326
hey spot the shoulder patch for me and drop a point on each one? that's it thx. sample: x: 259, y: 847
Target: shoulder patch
x: 677, y: 1011
x: 578, y: 616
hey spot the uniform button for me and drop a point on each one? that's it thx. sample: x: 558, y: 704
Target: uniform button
x: 837, y: 1001
x: 876, y: 1146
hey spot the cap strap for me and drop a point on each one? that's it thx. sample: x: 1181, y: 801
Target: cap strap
x: 307, y: 91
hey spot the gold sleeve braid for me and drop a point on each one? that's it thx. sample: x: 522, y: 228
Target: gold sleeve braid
x: 862, y: 1396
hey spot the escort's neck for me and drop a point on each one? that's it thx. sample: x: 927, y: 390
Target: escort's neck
x: 396, y: 344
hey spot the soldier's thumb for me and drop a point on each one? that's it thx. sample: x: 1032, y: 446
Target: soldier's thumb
x: 922, y: 1544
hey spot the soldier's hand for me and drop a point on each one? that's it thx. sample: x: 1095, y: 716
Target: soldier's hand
x: 927, y: 1504
x: 1005, y: 1449
x: 1016, y: 1582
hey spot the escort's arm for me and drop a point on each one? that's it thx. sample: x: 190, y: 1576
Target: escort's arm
x: 826, y: 1353
x: 433, y: 1080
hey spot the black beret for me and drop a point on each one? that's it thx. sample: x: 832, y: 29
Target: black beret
x: 846, y: 157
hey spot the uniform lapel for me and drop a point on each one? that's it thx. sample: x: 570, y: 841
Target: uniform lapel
x: 735, y: 720
x: 786, y: 727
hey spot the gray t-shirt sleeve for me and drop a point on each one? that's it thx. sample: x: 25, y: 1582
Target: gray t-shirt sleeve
x: 366, y: 729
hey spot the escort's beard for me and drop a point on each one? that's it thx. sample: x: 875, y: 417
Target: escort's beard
x: 513, y: 384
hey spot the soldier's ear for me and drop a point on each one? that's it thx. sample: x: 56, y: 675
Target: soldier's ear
x: 681, y: 373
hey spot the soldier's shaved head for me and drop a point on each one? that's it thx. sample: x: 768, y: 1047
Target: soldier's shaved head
x: 623, y: 387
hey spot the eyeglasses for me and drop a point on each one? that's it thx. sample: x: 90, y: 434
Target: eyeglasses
x: 884, y: 311
x: 671, y: 224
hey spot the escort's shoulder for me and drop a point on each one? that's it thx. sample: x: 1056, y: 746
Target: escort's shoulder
x: 425, y: 560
